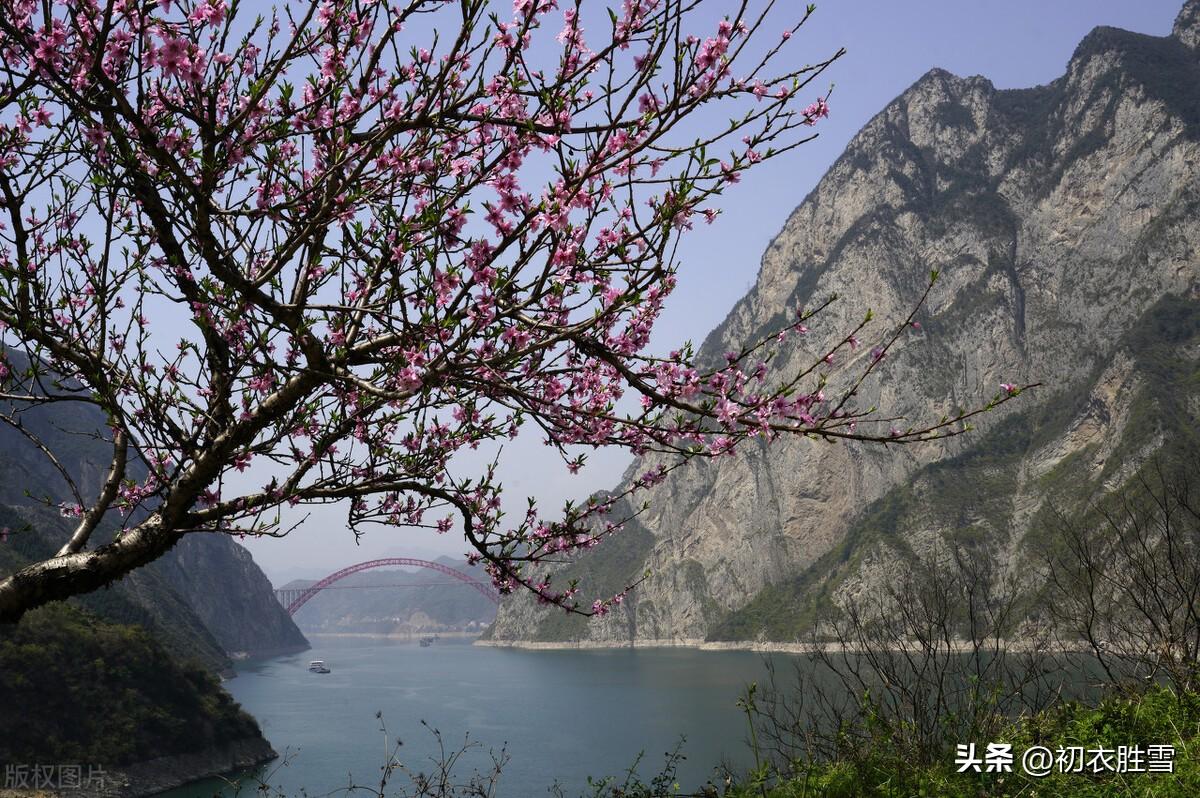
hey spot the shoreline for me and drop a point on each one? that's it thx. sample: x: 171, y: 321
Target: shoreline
x: 162, y: 774
x: 394, y: 635
x: 697, y: 644
x: 757, y: 646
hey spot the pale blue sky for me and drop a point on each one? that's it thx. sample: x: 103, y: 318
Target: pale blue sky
x: 1017, y: 43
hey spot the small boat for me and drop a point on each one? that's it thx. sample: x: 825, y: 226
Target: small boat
x: 426, y: 642
x: 318, y: 666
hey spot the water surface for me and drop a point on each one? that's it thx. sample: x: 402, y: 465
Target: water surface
x: 560, y: 715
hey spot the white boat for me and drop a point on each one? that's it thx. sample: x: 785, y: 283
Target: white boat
x: 318, y: 666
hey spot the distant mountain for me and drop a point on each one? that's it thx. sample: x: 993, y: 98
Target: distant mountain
x: 221, y: 582
x: 1065, y: 222
x: 397, y: 601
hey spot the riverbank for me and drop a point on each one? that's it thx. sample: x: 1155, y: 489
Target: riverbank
x: 695, y: 644
x: 394, y: 635
x: 759, y: 646
x: 142, y: 779
x: 167, y: 773
x: 590, y: 645
x: 267, y: 653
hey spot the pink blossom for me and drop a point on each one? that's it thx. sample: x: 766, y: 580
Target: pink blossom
x: 370, y: 330
x: 818, y: 110
x: 98, y: 138
x: 211, y: 12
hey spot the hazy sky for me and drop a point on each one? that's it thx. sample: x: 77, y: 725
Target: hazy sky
x: 1017, y: 43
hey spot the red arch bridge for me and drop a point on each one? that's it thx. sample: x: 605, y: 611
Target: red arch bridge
x: 293, y: 600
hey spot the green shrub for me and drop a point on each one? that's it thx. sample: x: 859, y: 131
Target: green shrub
x: 1157, y: 716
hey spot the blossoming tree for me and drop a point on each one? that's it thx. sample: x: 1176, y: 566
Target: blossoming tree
x: 350, y: 239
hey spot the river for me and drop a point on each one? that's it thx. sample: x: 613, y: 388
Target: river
x: 561, y: 715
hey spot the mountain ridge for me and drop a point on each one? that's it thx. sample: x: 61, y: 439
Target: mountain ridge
x: 1058, y: 216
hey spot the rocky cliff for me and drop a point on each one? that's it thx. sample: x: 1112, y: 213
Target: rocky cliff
x: 1064, y: 222
x: 205, y: 599
x: 231, y: 595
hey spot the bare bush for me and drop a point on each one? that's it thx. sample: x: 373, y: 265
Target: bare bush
x: 1125, y: 579
x: 924, y: 663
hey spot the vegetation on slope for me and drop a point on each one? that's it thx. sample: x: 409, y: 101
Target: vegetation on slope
x: 90, y: 691
x: 142, y: 599
x: 1159, y: 716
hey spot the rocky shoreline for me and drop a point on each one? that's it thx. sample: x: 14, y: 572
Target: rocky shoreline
x: 758, y: 646
x: 268, y: 653
x: 396, y: 635
x: 698, y: 644
x: 165, y: 773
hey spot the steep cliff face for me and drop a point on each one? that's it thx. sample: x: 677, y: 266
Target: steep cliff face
x: 206, y: 598
x: 1059, y: 217
x: 1002, y: 494
x: 220, y: 581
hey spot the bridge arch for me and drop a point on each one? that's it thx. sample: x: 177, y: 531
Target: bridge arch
x: 299, y: 598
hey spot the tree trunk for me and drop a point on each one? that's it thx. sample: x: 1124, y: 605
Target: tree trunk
x: 69, y: 575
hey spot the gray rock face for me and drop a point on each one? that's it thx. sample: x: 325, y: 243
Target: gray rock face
x: 233, y: 597
x: 1058, y: 216
x: 1187, y: 24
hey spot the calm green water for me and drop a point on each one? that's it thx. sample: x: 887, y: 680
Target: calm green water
x: 561, y: 715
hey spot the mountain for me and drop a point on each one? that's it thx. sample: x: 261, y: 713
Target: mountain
x: 124, y: 677
x: 397, y: 601
x: 219, y: 579
x: 205, y: 599
x: 143, y: 598
x: 79, y: 689
x: 1064, y: 222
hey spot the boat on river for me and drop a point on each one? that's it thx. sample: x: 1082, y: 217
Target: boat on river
x: 318, y: 666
